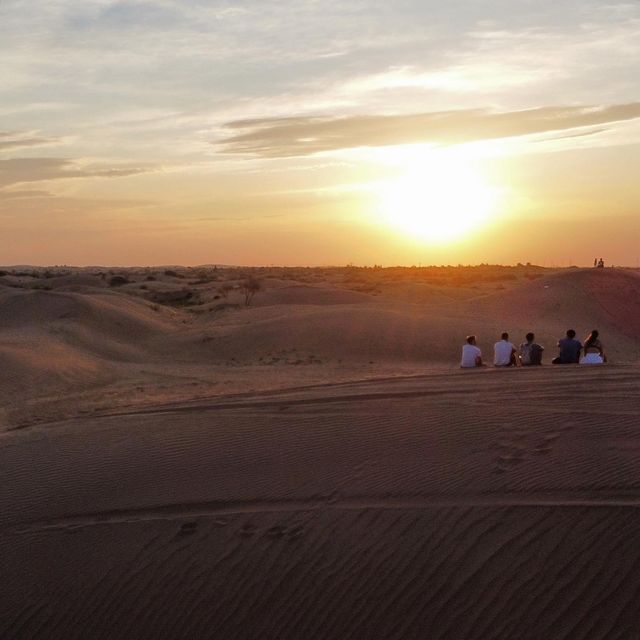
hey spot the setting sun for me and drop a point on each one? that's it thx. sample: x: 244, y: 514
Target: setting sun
x: 438, y: 199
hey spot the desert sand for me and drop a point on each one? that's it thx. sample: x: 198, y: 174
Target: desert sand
x: 177, y: 464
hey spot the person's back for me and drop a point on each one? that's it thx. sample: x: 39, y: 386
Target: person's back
x: 530, y: 351
x: 504, y: 352
x: 471, y: 354
x: 569, y: 349
x: 536, y: 354
x: 593, y: 350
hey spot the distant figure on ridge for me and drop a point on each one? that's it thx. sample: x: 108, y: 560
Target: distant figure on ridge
x: 530, y: 351
x: 471, y: 355
x: 504, y: 352
x: 569, y: 349
x: 601, y: 264
x: 593, y: 351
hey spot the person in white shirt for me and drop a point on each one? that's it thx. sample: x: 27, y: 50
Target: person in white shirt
x: 504, y: 352
x: 471, y: 355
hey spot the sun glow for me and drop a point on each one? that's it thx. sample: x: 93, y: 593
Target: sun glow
x: 438, y: 198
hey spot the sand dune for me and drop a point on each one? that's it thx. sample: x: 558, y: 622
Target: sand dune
x: 393, y: 509
x: 314, y: 295
x: 316, y: 465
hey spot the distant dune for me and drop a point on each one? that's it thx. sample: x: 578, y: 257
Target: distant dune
x: 92, y: 329
x: 316, y: 465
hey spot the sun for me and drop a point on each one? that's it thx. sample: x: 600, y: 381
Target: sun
x: 437, y: 199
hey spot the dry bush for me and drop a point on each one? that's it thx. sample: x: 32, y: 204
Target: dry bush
x: 118, y: 281
x: 250, y: 286
x: 180, y: 298
x: 225, y: 289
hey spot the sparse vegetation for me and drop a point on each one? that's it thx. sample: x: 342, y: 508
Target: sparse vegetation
x: 118, y: 281
x: 249, y: 287
x: 231, y: 287
x: 225, y: 289
x: 179, y: 298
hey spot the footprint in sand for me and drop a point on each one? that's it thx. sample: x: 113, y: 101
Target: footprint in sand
x: 248, y: 530
x: 276, y: 532
x: 188, y: 528
x: 541, y: 449
x: 279, y: 531
x: 510, y: 459
x: 294, y: 533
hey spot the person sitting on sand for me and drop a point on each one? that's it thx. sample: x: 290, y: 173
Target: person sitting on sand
x: 471, y: 355
x: 593, y: 351
x: 569, y: 349
x: 504, y: 352
x: 530, y: 351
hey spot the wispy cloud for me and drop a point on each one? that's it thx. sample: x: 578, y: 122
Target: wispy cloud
x: 23, y: 193
x: 285, y: 137
x: 10, y: 141
x: 15, y: 171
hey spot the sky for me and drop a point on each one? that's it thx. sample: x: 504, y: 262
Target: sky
x: 319, y: 133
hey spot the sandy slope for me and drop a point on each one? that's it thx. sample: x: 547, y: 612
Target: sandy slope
x: 489, y: 504
x: 220, y: 474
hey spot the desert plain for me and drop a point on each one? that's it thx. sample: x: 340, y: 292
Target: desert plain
x: 294, y: 453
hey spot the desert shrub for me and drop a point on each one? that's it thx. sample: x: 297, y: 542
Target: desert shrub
x: 176, y: 298
x: 150, y: 278
x: 225, y: 289
x: 250, y: 286
x: 498, y: 277
x: 202, y: 281
x: 117, y: 281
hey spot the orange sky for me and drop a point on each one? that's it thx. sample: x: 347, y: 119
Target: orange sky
x: 293, y: 133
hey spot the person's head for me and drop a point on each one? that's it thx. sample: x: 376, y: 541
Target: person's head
x: 471, y: 339
x: 592, y: 337
x: 571, y: 333
x: 504, y: 336
x: 529, y: 337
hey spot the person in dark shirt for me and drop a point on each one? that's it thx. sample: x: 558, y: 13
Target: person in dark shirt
x: 569, y: 349
x: 530, y: 351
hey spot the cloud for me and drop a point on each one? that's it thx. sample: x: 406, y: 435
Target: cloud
x: 23, y: 193
x: 575, y: 134
x: 11, y: 141
x: 285, y: 137
x: 20, y: 170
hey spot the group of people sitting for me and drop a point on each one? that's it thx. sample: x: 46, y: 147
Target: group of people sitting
x: 505, y: 353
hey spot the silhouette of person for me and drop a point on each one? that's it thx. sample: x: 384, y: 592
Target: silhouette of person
x: 593, y: 350
x: 504, y: 352
x: 471, y: 354
x: 530, y: 351
x: 569, y: 349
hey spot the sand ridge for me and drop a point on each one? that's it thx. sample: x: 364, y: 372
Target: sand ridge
x: 389, y: 506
